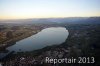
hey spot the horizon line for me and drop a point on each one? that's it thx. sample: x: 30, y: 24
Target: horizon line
x: 52, y: 17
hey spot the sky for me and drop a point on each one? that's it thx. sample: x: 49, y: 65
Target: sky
x: 23, y: 9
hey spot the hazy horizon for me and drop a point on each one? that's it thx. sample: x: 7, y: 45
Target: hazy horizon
x: 26, y: 9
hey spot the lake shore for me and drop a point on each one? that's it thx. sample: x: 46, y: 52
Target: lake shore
x: 72, y: 47
x: 15, y: 39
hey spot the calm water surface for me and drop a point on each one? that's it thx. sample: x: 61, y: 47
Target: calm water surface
x: 46, y: 37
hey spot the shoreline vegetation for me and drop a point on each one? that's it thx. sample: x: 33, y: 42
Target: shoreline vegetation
x: 83, y: 40
x: 17, y: 33
x: 14, y: 40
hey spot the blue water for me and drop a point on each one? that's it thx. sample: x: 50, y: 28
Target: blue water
x: 46, y: 37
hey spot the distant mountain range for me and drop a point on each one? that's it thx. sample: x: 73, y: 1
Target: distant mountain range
x: 81, y: 20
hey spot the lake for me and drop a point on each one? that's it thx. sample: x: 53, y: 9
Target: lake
x: 46, y: 37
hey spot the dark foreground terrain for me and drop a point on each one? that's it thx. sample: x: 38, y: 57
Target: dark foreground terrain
x: 83, y: 41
